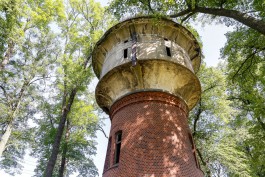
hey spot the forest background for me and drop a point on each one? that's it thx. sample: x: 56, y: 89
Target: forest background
x: 48, y: 108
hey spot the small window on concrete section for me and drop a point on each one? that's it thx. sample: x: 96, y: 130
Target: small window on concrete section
x: 125, y: 53
x: 168, y: 51
x: 117, y: 147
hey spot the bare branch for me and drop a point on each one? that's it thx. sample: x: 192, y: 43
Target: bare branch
x: 187, y: 17
x: 184, y: 12
x: 102, y: 130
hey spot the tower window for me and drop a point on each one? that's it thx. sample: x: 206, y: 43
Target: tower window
x: 168, y: 51
x: 125, y: 53
x: 117, y: 147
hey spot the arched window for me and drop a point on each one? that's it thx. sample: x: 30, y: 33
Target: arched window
x: 125, y: 51
x: 118, y: 137
x: 167, y: 43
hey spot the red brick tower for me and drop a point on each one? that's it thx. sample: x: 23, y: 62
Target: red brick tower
x: 147, y: 85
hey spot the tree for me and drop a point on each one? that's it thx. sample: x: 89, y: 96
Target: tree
x: 78, y: 141
x: 245, y: 52
x: 249, y: 13
x: 81, y: 28
x: 27, y: 49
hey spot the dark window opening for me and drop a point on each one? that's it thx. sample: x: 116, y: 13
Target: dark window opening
x: 117, y: 147
x: 125, y: 53
x: 126, y: 41
x: 168, y: 51
x: 165, y: 39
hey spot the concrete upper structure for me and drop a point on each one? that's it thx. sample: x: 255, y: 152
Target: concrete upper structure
x: 167, y: 55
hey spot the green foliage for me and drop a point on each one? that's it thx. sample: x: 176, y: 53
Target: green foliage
x: 182, y: 11
x: 245, y: 52
x: 80, y: 142
x: 29, y: 49
x: 80, y: 29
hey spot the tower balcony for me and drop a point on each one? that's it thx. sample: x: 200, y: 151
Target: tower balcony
x: 147, y: 54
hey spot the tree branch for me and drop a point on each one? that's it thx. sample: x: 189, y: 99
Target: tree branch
x: 250, y: 56
x: 5, y: 93
x: 184, y: 12
x: 187, y: 17
x: 102, y: 130
x: 211, y: 87
x: 197, y: 119
x: 204, y: 163
x: 148, y: 5
x: 256, y: 24
x: 261, y: 123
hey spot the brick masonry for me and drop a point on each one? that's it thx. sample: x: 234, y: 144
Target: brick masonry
x: 156, y: 139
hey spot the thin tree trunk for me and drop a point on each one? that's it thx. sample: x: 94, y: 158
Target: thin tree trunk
x: 56, y: 145
x: 63, y: 162
x: 8, y: 55
x: 204, y: 163
x: 15, y: 109
x: 5, y: 138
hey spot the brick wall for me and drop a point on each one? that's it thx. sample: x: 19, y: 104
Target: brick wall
x: 156, y: 139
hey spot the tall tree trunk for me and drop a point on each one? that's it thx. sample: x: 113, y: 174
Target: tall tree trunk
x: 56, y: 145
x: 15, y: 109
x: 5, y: 138
x: 262, y: 124
x: 63, y: 162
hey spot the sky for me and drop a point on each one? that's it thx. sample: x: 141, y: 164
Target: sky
x: 213, y: 39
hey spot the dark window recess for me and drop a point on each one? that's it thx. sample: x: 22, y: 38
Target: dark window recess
x: 117, y: 147
x: 165, y: 39
x: 125, y: 53
x: 126, y: 41
x: 107, y: 160
x: 168, y: 51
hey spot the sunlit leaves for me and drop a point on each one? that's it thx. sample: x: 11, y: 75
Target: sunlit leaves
x: 79, y: 30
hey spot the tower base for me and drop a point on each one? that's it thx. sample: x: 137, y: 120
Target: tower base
x: 156, y: 140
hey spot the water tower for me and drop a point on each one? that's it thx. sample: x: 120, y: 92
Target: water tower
x: 147, y: 84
